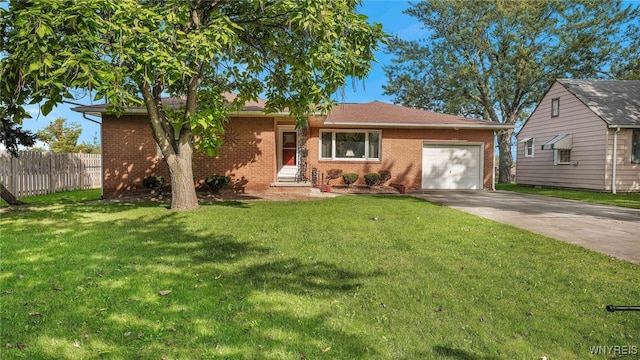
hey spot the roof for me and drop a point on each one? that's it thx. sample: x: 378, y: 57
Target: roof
x: 617, y: 102
x: 380, y: 114
x: 174, y: 102
x: 353, y: 115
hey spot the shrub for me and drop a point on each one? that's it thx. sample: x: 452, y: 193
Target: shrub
x: 217, y: 182
x: 349, y: 178
x: 385, y: 176
x: 333, y: 174
x: 371, y: 179
x: 154, y: 183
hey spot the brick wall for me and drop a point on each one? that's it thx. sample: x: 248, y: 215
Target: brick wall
x: 249, y: 155
x: 130, y: 154
x: 401, y: 154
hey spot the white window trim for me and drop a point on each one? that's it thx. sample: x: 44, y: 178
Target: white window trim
x: 333, y: 144
x: 556, y: 157
x: 529, y: 150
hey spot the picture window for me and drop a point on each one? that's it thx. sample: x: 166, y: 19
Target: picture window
x: 350, y: 145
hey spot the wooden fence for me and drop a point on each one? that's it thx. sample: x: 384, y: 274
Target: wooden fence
x: 37, y: 173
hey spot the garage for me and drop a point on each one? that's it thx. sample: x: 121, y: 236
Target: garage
x: 452, y: 166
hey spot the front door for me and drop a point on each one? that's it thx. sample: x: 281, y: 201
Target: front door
x: 287, y: 153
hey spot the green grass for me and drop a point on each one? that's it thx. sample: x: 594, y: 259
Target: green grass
x: 68, y: 197
x: 292, y: 280
x: 630, y: 200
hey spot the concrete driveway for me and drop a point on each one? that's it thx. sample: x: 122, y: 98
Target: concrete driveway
x: 610, y: 230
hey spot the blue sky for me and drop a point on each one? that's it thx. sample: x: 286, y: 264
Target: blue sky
x: 387, y: 12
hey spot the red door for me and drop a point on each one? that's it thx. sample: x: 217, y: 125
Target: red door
x: 289, y: 143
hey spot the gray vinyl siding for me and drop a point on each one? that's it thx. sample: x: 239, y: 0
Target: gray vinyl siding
x: 589, y: 133
x: 627, y: 173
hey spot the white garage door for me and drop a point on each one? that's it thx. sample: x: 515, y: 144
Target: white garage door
x: 451, y: 167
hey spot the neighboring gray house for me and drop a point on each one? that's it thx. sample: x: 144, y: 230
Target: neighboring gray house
x: 579, y: 127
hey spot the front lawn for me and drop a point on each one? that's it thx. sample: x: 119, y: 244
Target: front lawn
x: 353, y: 277
x: 630, y: 200
x: 68, y: 197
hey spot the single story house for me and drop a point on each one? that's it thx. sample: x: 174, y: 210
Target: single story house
x: 421, y: 149
x: 584, y: 134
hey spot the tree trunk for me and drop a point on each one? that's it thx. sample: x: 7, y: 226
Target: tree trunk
x: 506, y: 158
x: 9, y: 197
x: 183, y: 191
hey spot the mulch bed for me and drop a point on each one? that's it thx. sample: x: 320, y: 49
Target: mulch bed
x: 361, y: 189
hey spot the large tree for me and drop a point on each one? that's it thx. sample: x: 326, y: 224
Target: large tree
x: 627, y: 66
x: 12, y: 136
x: 496, y: 59
x: 295, y: 53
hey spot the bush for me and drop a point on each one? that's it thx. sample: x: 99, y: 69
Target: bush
x: 371, y: 179
x: 154, y: 183
x: 217, y: 182
x: 333, y: 174
x: 349, y: 178
x: 385, y: 176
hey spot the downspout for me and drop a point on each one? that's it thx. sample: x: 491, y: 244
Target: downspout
x: 493, y: 161
x: 84, y: 115
x: 615, y: 161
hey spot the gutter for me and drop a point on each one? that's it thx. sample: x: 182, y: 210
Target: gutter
x: 143, y: 111
x: 416, y: 125
x: 615, y: 161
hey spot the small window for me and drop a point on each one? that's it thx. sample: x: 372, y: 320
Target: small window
x: 562, y: 157
x: 528, y: 148
x: 555, y: 107
x: 350, y: 145
x: 635, y: 147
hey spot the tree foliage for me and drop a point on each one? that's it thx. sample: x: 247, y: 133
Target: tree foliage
x: 296, y: 53
x: 627, y: 66
x: 12, y: 136
x: 496, y: 59
x: 60, y: 136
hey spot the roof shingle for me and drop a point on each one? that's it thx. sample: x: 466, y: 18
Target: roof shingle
x: 617, y: 102
x: 377, y: 113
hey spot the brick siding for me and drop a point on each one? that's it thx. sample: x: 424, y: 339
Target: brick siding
x: 401, y: 154
x: 130, y: 154
x: 249, y: 154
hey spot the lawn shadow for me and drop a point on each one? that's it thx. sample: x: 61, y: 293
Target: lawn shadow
x: 295, y: 277
x: 213, y: 275
x: 226, y: 203
x: 459, y: 354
